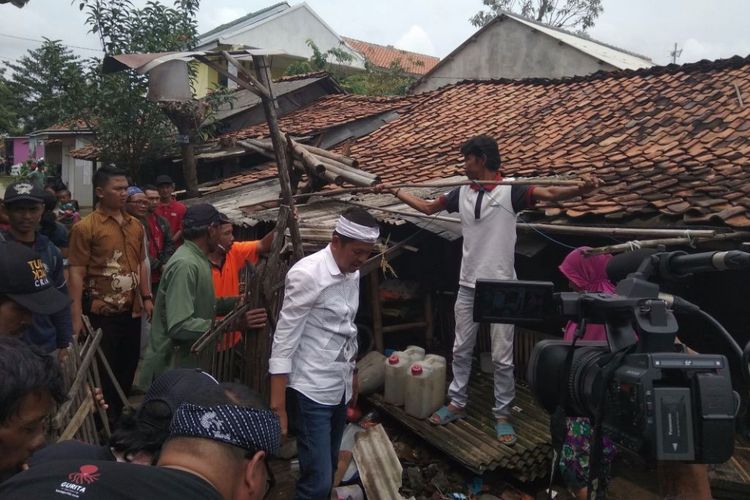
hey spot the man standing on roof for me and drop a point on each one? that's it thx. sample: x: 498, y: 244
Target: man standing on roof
x: 227, y: 260
x: 24, y: 205
x: 315, y: 346
x: 169, y: 208
x: 488, y: 224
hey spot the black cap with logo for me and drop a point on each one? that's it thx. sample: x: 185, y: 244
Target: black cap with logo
x: 23, y: 191
x: 23, y: 278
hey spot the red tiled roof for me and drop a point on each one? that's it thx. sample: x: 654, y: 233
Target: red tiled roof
x: 669, y: 140
x: 326, y: 112
x: 71, y: 125
x: 88, y: 152
x: 382, y: 57
x: 303, y: 76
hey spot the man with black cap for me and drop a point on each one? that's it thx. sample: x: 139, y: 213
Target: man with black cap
x: 24, y: 205
x: 215, y: 451
x: 185, y: 303
x: 169, y: 208
x: 25, y: 289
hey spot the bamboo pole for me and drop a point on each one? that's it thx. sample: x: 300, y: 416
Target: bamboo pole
x: 320, y: 158
x: 263, y: 73
x: 239, y: 81
x: 79, y: 417
x: 80, y: 378
x: 540, y: 181
x: 349, y: 174
x: 222, y: 327
x: 350, y: 162
x: 632, y: 245
x: 253, y: 81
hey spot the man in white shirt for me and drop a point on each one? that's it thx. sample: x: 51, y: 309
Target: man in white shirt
x: 488, y: 225
x: 315, y: 347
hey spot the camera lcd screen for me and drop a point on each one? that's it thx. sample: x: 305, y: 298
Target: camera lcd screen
x: 512, y: 301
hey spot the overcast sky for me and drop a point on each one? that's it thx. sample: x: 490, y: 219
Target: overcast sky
x: 703, y: 29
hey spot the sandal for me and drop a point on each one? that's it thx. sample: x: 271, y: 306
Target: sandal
x: 505, y: 429
x: 445, y: 416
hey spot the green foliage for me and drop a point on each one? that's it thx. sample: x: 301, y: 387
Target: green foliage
x: 319, y: 61
x: 373, y: 81
x: 379, y: 82
x: 43, y: 88
x: 130, y: 129
x: 8, y: 116
x: 572, y: 14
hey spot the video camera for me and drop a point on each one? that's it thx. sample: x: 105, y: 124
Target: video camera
x: 662, y: 404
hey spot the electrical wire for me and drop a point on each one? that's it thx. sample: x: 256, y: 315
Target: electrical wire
x: 42, y: 41
x: 522, y: 221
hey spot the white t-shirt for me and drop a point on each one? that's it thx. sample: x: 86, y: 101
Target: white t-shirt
x: 488, y: 226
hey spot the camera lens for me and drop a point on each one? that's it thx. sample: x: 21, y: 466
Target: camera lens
x: 547, y: 364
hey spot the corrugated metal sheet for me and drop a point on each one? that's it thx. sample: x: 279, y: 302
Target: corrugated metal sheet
x: 231, y: 201
x: 322, y: 213
x: 472, y: 441
x: 378, y: 464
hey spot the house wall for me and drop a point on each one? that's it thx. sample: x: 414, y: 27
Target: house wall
x: 509, y: 49
x: 20, y: 150
x: 35, y: 148
x: 205, y: 80
x: 76, y: 174
x: 290, y: 32
x: 286, y: 103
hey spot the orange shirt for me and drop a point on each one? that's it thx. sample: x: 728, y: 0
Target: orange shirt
x: 227, y: 279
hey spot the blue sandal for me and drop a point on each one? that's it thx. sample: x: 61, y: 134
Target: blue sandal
x: 506, y: 429
x: 445, y: 416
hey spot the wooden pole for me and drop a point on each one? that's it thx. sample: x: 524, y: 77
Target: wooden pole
x: 253, y: 81
x: 377, y: 312
x: 263, y: 73
x: 632, y: 245
x: 239, y: 81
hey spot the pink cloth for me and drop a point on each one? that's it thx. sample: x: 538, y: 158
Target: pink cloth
x: 589, y: 273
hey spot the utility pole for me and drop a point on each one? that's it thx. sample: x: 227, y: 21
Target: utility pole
x: 675, y: 54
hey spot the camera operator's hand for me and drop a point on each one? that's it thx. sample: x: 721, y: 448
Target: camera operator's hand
x: 684, y: 481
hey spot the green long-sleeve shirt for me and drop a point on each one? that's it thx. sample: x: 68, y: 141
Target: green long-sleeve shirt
x: 184, y: 310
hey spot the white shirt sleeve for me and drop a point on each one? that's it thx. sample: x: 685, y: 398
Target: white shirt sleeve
x: 300, y: 293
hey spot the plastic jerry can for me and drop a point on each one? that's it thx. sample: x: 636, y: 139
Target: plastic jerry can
x: 437, y: 364
x: 396, y: 369
x: 419, y: 401
x: 415, y: 352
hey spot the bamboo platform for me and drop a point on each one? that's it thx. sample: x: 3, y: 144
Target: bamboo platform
x: 472, y: 441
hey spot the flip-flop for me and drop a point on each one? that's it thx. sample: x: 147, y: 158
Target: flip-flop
x: 445, y: 416
x: 505, y: 429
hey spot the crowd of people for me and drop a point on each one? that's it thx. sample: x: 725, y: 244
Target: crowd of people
x: 154, y: 276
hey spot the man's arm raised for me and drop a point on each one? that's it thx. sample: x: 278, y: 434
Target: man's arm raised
x: 427, y: 207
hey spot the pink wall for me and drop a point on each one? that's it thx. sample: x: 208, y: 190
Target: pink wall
x: 21, y: 150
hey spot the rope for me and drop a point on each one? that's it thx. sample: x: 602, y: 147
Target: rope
x: 634, y: 245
